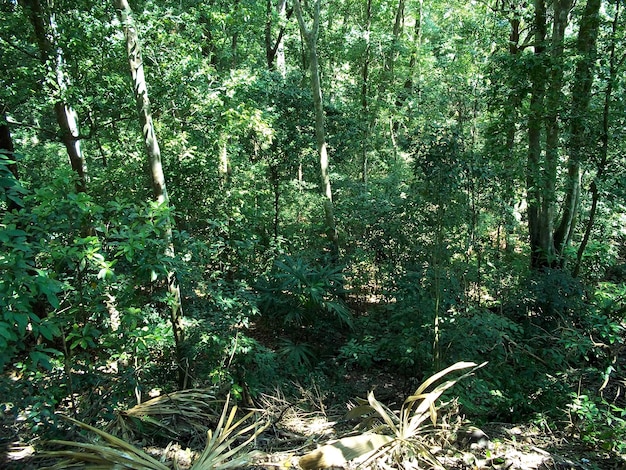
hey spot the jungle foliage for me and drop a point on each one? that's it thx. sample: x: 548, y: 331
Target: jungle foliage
x: 472, y: 206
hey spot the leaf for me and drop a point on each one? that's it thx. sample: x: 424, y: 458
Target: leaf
x: 339, y: 453
x: 40, y: 358
x: 115, y: 454
x: 384, y: 413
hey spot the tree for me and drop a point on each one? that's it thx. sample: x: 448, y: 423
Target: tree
x: 153, y: 153
x: 310, y: 36
x: 544, y: 114
x: 275, y: 51
x: 579, y: 133
x: 603, y: 158
x: 43, y: 20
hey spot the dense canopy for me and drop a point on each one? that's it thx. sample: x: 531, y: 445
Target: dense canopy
x: 248, y: 195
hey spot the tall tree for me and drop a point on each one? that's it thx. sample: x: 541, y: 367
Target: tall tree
x: 604, y: 134
x: 544, y: 115
x: 581, y: 97
x: 42, y: 18
x: 310, y: 36
x: 275, y: 50
x: 153, y: 153
x: 365, y: 92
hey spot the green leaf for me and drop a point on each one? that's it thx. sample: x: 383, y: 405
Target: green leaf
x: 40, y: 358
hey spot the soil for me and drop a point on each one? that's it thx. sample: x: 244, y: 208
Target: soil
x: 301, y: 428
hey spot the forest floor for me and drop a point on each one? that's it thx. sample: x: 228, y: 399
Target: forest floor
x: 309, y: 417
x: 303, y: 424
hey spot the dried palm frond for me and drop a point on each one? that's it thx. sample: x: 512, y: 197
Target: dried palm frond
x: 113, y: 453
x: 222, y: 451
x: 392, y: 434
x: 342, y: 451
x: 172, y: 415
x: 225, y: 448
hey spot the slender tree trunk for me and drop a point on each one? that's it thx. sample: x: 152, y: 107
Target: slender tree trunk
x: 234, y: 40
x: 275, y: 51
x: 511, y: 117
x: 364, y: 94
x: 581, y: 97
x: 398, y: 26
x: 511, y: 110
x: 225, y: 170
x: 156, y: 171
x: 310, y: 38
x: 44, y: 25
x: 408, y: 85
x: 604, y: 143
x: 553, y: 105
x: 533, y: 170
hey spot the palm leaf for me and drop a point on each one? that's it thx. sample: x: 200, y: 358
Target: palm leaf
x: 342, y: 451
x: 219, y: 450
x: 113, y: 455
x: 185, y: 412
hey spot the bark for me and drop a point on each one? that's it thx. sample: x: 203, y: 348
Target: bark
x: 398, y: 25
x: 511, y: 116
x: 224, y: 169
x: 156, y: 171
x: 545, y: 113
x: 275, y: 51
x: 581, y: 97
x: 554, y: 98
x: 604, y: 143
x: 310, y: 38
x: 533, y: 169
x: 44, y: 26
x: 364, y: 93
x: 234, y: 39
x: 407, y: 90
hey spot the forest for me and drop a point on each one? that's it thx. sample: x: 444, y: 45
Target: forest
x: 312, y: 233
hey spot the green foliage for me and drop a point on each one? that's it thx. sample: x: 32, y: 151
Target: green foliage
x: 427, y: 132
x: 299, y: 293
x: 599, y: 424
x: 298, y: 356
x: 12, y: 189
x: 361, y: 353
x: 554, y: 296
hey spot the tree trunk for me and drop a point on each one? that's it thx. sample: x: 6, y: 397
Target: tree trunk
x: 533, y: 169
x: 156, y: 171
x: 581, y: 97
x: 44, y: 25
x: 553, y: 105
x: 364, y: 94
x: 604, y: 142
x: 511, y: 118
x: 310, y: 38
x: 275, y: 51
x: 398, y: 25
x: 545, y: 103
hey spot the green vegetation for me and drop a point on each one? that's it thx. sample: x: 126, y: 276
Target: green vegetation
x: 308, y: 201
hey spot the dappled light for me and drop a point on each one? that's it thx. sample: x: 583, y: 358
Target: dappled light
x: 313, y: 234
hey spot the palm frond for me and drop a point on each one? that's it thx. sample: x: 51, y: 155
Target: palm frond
x: 172, y: 415
x: 404, y: 428
x: 340, y: 452
x: 114, y: 453
x: 222, y: 450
